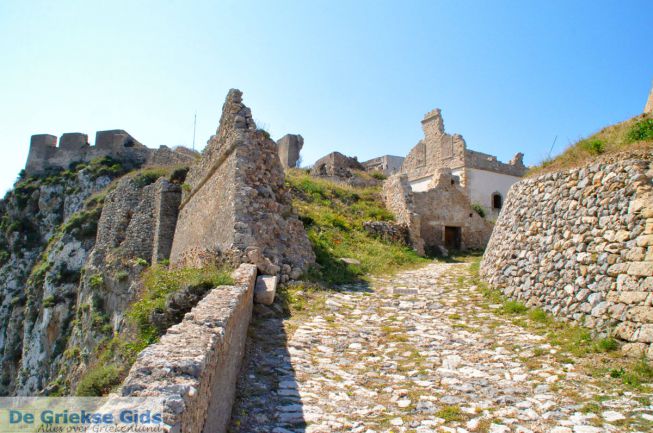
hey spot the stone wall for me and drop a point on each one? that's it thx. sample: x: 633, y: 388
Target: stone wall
x: 579, y: 243
x: 238, y: 205
x: 195, y: 365
x: 44, y: 155
x: 386, y: 164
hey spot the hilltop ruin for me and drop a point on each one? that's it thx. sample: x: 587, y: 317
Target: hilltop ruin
x: 45, y: 156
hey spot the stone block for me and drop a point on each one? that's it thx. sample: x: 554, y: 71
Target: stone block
x: 640, y: 314
x: 265, y: 289
x: 634, y: 350
x: 645, y: 334
x: 641, y: 269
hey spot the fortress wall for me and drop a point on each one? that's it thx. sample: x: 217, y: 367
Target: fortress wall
x: 44, y: 155
x: 579, y: 244
x: 195, y: 365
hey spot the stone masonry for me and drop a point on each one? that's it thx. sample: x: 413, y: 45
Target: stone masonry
x: 386, y: 164
x: 195, y: 365
x: 44, y: 155
x: 238, y: 205
x: 290, y: 146
x: 440, y: 217
x: 579, y: 244
x: 336, y: 165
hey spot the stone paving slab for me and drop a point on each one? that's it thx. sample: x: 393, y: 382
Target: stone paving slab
x: 416, y: 353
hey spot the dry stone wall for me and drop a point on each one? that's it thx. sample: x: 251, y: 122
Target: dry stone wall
x: 195, y: 365
x: 579, y: 244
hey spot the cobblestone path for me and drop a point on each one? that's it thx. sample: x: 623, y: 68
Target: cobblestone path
x: 420, y: 351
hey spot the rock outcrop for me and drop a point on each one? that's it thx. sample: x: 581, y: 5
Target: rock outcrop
x: 579, y: 243
x: 48, y: 231
x: 237, y: 206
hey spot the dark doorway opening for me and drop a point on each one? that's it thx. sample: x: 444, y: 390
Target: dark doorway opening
x: 452, y: 238
x: 497, y: 201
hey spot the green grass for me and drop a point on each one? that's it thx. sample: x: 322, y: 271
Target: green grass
x: 450, y: 413
x: 158, y: 283
x: 633, y: 134
x: 333, y: 215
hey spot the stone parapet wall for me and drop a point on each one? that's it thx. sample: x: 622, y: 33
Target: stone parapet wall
x: 579, y: 244
x: 195, y: 365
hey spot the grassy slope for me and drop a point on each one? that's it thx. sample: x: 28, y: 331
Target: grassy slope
x: 333, y: 215
x: 632, y: 135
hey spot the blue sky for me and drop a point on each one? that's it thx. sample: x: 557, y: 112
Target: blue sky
x: 352, y: 76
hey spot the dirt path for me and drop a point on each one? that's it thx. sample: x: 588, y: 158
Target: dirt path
x: 420, y: 351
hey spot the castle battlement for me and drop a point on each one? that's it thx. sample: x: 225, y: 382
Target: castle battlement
x: 46, y: 156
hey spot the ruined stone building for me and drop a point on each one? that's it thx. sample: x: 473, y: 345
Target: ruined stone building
x: 386, y: 164
x: 481, y: 177
x: 45, y: 156
x: 437, y: 185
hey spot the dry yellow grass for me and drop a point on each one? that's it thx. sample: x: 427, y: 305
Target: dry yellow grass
x: 606, y: 143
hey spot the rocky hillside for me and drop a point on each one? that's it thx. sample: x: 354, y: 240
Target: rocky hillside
x: 73, y: 248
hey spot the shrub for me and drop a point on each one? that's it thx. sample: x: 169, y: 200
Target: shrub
x: 141, y: 262
x: 121, y: 275
x: 99, y: 381
x: 96, y: 281
x: 478, y: 208
x: 594, y: 147
x: 378, y: 175
x: 148, y: 176
x: 49, y: 302
x: 642, y: 130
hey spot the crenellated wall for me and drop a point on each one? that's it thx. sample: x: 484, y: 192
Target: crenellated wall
x: 44, y: 155
x: 579, y: 244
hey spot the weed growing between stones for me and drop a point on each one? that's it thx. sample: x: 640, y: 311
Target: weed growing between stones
x: 596, y: 356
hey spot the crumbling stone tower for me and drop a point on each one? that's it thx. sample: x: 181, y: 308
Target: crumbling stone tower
x: 237, y: 206
x: 648, y: 108
x: 290, y: 145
